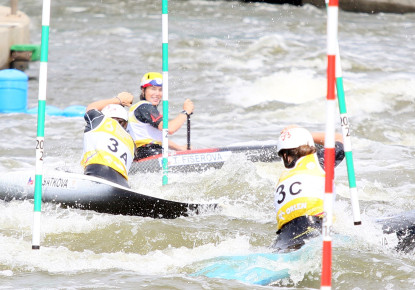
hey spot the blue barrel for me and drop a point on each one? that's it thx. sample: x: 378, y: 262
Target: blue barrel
x: 13, y: 91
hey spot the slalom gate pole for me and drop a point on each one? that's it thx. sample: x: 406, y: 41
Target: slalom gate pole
x: 345, y: 124
x: 41, y: 124
x: 329, y: 143
x: 165, y: 46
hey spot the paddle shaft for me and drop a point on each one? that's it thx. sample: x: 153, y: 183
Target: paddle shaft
x: 188, y: 131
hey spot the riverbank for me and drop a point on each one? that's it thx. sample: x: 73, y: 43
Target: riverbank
x: 14, y: 29
x: 370, y: 6
x: 360, y: 6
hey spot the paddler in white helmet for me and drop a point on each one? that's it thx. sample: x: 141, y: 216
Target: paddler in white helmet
x: 299, y: 194
x: 145, y: 123
x: 108, y: 148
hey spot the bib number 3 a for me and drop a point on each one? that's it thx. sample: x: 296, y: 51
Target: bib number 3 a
x: 293, y: 189
x: 114, y: 148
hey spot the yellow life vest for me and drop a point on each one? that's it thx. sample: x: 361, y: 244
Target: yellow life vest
x: 110, y: 145
x: 300, y: 190
x: 142, y: 133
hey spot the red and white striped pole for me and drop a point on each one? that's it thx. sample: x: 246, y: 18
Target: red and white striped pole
x: 329, y: 143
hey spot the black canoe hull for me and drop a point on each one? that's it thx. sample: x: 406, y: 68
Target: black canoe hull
x: 403, y: 224
x: 91, y: 193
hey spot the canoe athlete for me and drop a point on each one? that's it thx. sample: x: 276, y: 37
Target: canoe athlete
x: 108, y: 148
x: 145, y: 123
x: 299, y: 194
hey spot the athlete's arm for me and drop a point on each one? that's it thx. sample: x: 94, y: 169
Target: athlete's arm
x: 177, y: 122
x: 123, y: 99
x: 318, y: 137
x: 177, y: 147
x: 174, y: 124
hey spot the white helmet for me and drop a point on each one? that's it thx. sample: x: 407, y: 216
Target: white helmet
x: 293, y: 138
x: 115, y: 111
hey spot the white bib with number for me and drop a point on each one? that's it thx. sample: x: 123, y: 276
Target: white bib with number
x: 109, y: 144
x: 142, y: 133
x: 300, y: 190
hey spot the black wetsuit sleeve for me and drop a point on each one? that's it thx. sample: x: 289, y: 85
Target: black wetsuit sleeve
x: 147, y: 113
x: 92, y: 118
x: 339, y: 153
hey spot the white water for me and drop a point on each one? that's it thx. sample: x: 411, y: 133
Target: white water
x: 251, y: 69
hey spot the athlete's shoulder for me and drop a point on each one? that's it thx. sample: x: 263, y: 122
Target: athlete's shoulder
x: 93, y: 118
x: 93, y: 113
x: 339, y: 149
x: 145, y: 106
x: 147, y: 113
x: 339, y: 153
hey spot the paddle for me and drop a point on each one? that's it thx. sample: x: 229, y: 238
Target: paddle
x: 188, y: 131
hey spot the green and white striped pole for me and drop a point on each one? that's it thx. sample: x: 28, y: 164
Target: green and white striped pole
x: 345, y: 124
x: 41, y: 124
x: 346, y: 139
x: 165, y: 48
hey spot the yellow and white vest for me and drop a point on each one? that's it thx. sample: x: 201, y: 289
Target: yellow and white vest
x: 300, y: 190
x: 109, y: 144
x: 142, y: 133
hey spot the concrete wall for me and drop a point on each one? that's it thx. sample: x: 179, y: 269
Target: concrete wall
x: 371, y: 6
x: 14, y: 29
x: 364, y: 6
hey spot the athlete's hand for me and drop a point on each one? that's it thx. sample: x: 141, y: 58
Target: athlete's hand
x: 188, y: 106
x: 126, y: 99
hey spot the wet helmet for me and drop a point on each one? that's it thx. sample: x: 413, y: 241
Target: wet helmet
x: 115, y: 111
x: 152, y: 79
x: 293, y: 138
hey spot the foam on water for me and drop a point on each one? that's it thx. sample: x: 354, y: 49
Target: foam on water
x: 281, y: 87
x: 251, y: 69
x: 60, y: 259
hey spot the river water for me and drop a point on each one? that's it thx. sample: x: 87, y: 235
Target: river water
x: 251, y: 69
